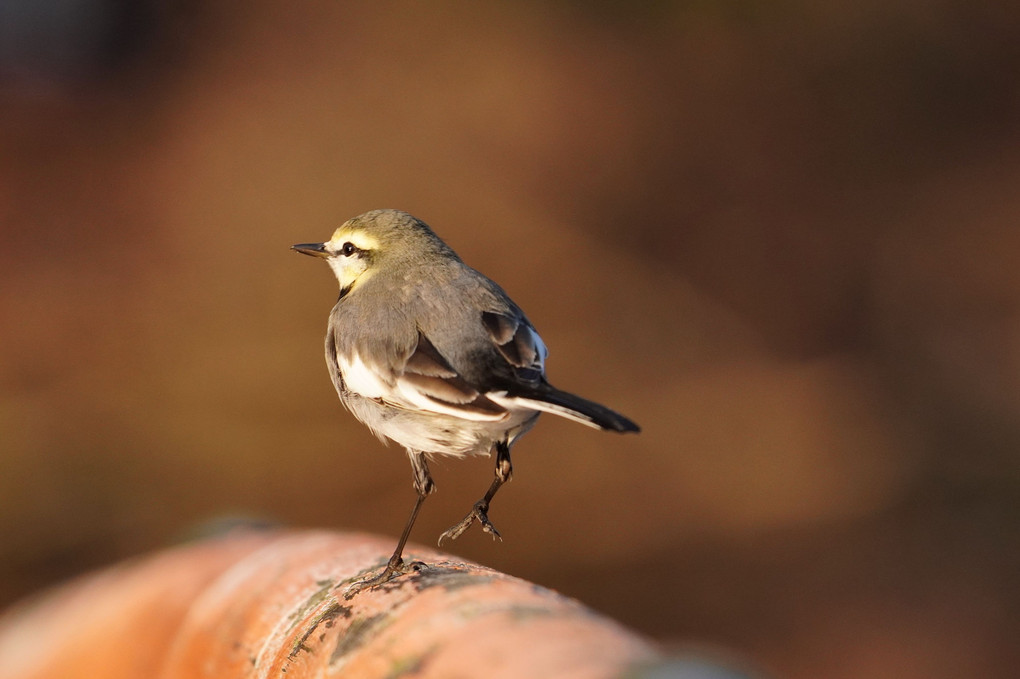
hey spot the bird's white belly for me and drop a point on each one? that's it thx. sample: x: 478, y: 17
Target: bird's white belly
x: 438, y: 434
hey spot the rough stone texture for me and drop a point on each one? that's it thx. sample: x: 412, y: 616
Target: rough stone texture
x: 271, y: 605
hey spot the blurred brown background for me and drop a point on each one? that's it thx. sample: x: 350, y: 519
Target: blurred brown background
x: 783, y: 236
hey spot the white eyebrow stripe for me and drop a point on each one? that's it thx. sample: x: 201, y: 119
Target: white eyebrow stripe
x: 360, y: 239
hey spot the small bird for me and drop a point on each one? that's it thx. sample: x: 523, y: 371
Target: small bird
x: 429, y: 353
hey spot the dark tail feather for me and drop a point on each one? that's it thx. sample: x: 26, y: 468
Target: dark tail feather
x: 552, y: 400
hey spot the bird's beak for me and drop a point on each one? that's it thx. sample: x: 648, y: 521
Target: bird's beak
x: 313, y: 249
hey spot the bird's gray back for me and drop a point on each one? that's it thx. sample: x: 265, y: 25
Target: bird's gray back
x: 380, y: 320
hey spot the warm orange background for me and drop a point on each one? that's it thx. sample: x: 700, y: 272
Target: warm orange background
x: 783, y: 236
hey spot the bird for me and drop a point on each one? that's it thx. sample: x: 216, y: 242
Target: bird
x: 431, y: 354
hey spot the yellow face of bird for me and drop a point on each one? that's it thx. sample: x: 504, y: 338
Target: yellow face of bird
x: 380, y: 240
x: 350, y: 255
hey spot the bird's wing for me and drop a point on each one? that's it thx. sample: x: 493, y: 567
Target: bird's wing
x: 428, y: 382
x: 509, y: 352
x: 519, y: 345
x: 525, y: 387
x: 506, y: 352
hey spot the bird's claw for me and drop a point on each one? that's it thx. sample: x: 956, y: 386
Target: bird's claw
x: 391, y: 571
x: 477, y: 513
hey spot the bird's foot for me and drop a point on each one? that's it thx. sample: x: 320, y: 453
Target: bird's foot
x: 477, y: 513
x: 395, y: 568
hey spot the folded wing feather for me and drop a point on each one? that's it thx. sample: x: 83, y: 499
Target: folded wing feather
x: 427, y: 381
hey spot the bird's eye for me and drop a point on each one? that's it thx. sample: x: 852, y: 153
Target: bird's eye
x: 348, y: 249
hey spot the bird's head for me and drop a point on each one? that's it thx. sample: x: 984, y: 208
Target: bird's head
x: 380, y: 240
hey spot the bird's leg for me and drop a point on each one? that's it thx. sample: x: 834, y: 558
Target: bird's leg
x: 424, y: 486
x: 479, y: 513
